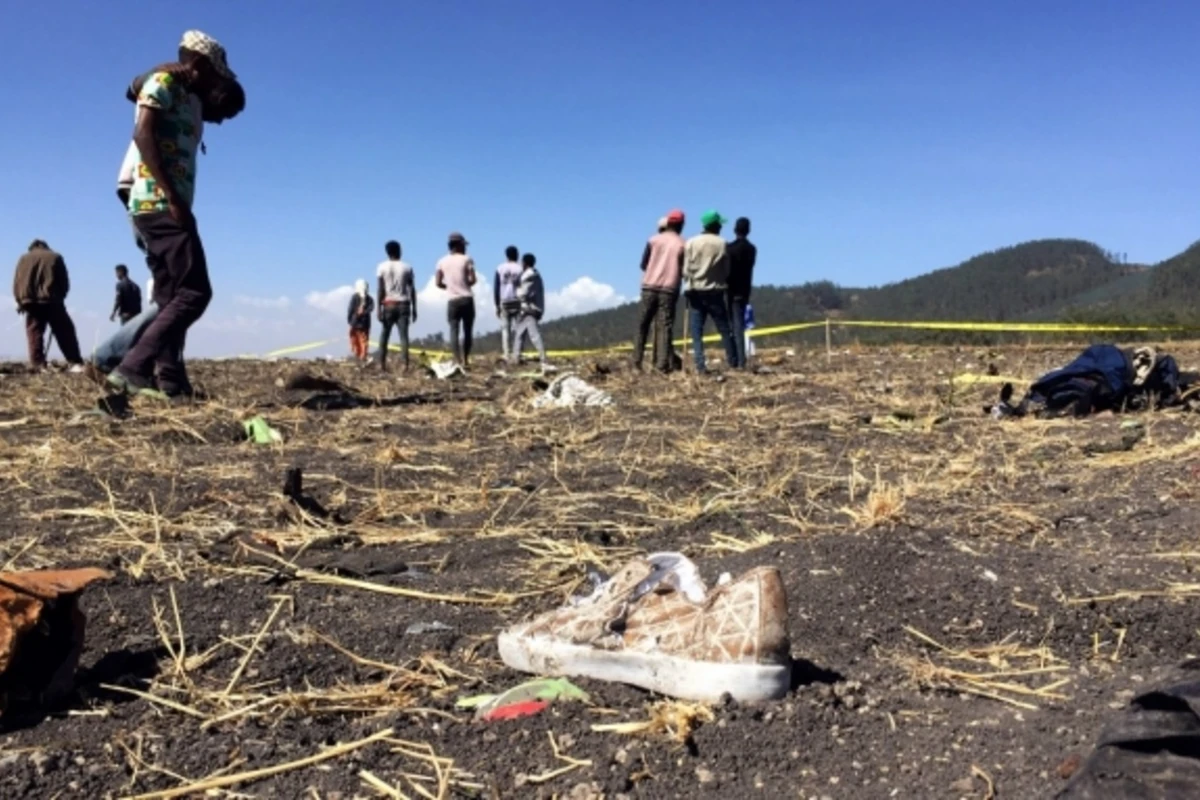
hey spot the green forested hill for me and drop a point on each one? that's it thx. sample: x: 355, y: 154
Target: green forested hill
x: 1005, y: 284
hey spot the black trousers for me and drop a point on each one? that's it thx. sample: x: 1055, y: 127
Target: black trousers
x: 737, y: 326
x: 398, y: 316
x: 40, y: 315
x: 460, y: 313
x: 182, y: 291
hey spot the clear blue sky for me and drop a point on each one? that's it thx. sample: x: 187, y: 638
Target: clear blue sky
x: 868, y: 141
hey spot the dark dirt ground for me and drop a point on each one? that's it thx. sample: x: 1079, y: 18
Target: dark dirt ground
x: 1041, y: 552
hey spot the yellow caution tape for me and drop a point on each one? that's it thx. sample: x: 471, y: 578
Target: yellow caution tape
x: 297, y: 349
x: 757, y: 333
x: 971, y: 378
x: 1013, y: 327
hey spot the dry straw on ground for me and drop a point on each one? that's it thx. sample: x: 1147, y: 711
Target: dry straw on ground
x: 498, y: 510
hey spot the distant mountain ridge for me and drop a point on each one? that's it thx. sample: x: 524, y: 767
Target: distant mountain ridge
x: 1042, y: 280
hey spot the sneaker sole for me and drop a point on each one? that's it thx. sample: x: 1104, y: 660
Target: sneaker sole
x: 700, y: 681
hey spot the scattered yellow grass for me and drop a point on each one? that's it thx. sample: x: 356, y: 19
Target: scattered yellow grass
x: 1009, y: 672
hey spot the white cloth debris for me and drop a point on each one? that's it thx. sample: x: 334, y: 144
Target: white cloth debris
x: 445, y: 369
x: 568, y: 391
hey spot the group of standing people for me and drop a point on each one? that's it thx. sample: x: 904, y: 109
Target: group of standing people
x: 518, y: 292
x: 719, y: 276
x: 156, y: 186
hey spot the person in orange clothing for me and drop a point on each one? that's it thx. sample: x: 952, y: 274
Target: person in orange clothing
x: 358, y: 316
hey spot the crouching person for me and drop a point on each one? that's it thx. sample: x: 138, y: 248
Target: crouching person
x: 109, y: 353
x: 531, y: 293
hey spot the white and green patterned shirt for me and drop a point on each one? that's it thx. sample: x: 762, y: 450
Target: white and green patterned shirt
x: 177, y: 135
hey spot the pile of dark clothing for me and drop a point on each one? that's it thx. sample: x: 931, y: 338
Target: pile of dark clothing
x: 1103, y: 377
x: 1151, y: 750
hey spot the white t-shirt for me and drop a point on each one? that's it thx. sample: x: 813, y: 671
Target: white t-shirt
x: 397, y: 277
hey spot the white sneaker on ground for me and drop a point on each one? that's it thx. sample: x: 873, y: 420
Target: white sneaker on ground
x: 656, y: 626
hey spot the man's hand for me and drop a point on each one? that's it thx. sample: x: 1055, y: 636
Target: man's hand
x: 112, y: 317
x: 498, y: 314
x: 414, y: 317
x: 180, y: 212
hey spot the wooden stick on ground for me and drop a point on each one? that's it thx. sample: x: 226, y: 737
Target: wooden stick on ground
x: 202, y: 786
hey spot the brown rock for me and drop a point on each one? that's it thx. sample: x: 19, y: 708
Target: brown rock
x: 1070, y: 766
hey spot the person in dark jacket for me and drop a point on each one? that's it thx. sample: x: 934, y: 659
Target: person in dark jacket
x: 40, y: 287
x: 128, y: 303
x: 742, y: 255
x: 358, y: 316
x: 531, y: 293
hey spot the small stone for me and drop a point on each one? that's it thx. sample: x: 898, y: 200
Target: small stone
x: 704, y: 775
x: 964, y: 786
x: 621, y: 756
x: 584, y: 791
x: 1070, y: 766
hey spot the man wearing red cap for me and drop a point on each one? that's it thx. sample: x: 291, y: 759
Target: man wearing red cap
x: 662, y: 268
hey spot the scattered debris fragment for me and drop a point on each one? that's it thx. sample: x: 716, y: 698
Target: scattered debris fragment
x: 1103, y: 377
x: 568, y: 391
x: 444, y: 370
x: 259, y: 431
x: 523, y: 700
x: 41, y: 633
x: 655, y: 625
x: 1151, y: 749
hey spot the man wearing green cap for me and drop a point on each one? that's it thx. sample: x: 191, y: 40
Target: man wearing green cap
x: 706, y: 268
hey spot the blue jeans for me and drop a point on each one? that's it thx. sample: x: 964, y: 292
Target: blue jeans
x: 110, y: 352
x: 704, y: 305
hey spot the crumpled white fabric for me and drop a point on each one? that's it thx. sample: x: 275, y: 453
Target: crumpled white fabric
x: 445, y: 369
x: 568, y: 391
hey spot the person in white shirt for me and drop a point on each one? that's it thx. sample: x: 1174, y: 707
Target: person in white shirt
x: 508, y: 307
x: 397, y: 302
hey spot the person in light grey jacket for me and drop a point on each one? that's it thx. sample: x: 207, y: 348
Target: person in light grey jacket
x: 531, y: 293
x: 706, y: 268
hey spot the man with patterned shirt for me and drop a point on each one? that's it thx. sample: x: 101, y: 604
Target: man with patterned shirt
x: 160, y: 203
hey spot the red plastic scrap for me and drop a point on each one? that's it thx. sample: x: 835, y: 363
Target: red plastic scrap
x: 516, y: 710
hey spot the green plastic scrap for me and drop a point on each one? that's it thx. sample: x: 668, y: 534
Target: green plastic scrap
x: 548, y: 689
x: 259, y: 432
